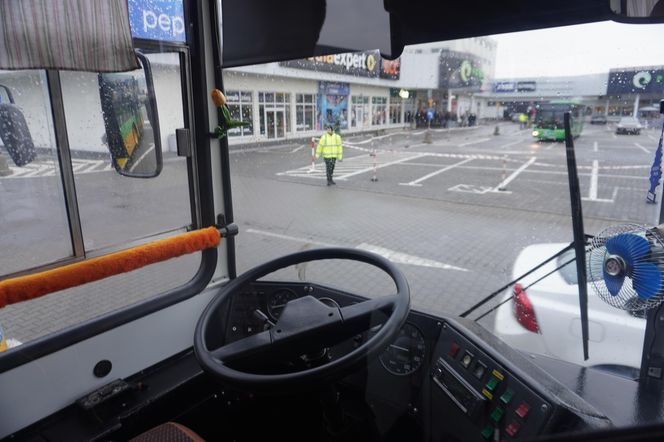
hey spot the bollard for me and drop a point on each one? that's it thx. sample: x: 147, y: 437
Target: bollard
x: 374, y: 178
x: 313, y: 155
x: 496, y: 131
x: 427, y: 137
x: 503, y: 188
x: 4, y: 167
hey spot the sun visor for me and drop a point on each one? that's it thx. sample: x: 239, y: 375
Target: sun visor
x: 259, y: 31
x: 80, y: 35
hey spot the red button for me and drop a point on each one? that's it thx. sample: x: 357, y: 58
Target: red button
x: 454, y: 349
x: 512, y: 429
x: 522, y: 411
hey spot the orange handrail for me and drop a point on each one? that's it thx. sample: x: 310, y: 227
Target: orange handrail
x: 32, y: 286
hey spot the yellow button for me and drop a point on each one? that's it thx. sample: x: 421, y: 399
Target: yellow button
x: 498, y: 374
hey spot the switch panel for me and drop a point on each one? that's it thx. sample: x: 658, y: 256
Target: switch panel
x: 484, y: 399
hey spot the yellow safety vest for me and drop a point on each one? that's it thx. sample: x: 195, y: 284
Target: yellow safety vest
x: 330, y: 146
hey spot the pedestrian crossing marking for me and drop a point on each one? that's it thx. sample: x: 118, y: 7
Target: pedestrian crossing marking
x: 52, y: 168
x: 354, y: 165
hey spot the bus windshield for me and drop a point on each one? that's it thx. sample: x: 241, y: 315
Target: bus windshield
x: 550, y: 117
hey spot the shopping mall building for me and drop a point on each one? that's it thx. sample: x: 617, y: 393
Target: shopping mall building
x: 355, y: 92
x: 620, y: 92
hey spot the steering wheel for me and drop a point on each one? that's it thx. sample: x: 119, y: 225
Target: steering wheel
x: 305, y: 324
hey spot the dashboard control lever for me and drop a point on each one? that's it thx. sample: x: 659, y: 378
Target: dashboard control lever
x: 258, y: 314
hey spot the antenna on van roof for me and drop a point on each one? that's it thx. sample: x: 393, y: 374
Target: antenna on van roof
x: 577, y: 225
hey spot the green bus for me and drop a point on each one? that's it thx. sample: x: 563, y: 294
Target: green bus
x: 549, y: 123
x: 123, y: 118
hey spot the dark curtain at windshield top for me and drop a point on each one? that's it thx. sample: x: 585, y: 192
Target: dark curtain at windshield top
x: 80, y: 35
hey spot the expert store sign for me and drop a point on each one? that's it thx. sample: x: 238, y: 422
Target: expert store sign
x: 364, y: 64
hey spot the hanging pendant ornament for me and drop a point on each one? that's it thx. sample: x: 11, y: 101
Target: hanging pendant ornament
x: 226, y: 122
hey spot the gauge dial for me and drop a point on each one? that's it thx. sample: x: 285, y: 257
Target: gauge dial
x: 406, y: 354
x: 278, y: 300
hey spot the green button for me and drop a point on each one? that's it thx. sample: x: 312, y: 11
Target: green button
x: 507, y: 396
x: 497, y: 415
x: 491, y: 385
x: 487, y: 433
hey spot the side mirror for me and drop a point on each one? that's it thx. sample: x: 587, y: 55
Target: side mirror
x: 637, y: 11
x: 129, y: 108
x: 14, y: 131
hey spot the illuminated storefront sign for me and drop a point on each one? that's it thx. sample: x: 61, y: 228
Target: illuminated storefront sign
x: 363, y: 64
x: 460, y: 71
x: 636, y: 81
x: 161, y: 20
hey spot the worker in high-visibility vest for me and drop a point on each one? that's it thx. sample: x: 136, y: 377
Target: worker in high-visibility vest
x: 331, y: 149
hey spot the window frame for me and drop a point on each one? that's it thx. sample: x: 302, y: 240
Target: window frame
x: 241, y: 132
x: 303, y: 107
x: 199, y: 174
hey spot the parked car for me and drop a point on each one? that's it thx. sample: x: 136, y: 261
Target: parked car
x: 544, y: 318
x: 628, y: 125
x: 598, y: 119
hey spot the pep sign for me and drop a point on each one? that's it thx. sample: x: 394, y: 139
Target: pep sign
x: 161, y: 20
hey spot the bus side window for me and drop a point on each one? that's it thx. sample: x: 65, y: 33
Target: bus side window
x: 33, y: 218
x: 109, y: 211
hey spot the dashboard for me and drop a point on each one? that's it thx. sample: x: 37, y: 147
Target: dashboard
x: 437, y: 371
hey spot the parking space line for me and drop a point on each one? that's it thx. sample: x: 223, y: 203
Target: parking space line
x: 614, y: 135
x: 592, y: 193
x: 391, y: 255
x: 142, y: 157
x: 380, y: 166
x: 516, y: 173
x: 432, y: 174
x: 642, y: 148
x: 594, y: 146
x: 481, y: 140
x: 652, y: 138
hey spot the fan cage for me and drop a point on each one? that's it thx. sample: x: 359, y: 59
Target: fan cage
x: 626, y: 298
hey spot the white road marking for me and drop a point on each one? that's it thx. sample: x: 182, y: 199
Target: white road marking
x: 594, y: 146
x: 481, y: 140
x: 516, y: 173
x: 602, y: 200
x: 298, y: 148
x: 432, y: 174
x: 41, y: 170
x: 394, y: 256
x: 652, y: 138
x: 403, y: 258
x: 291, y: 238
x: 470, y: 188
x: 545, y: 172
x: 642, y: 148
x: 511, y: 144
x: 142, y: 157
x: 592, y: 193
x: 380, y: 166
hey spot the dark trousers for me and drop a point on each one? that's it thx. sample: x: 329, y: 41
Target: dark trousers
x: 329, y: 167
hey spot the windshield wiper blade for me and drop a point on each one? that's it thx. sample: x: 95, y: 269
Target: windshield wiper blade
x: 577, y: 226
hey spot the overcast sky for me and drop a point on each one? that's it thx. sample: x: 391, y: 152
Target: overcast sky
x: 582, y: 49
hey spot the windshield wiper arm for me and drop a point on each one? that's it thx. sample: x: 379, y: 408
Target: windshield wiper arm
x: 579, y: 238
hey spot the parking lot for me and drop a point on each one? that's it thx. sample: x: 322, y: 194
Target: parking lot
x: 453, y: 214
x: 461, y: 207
